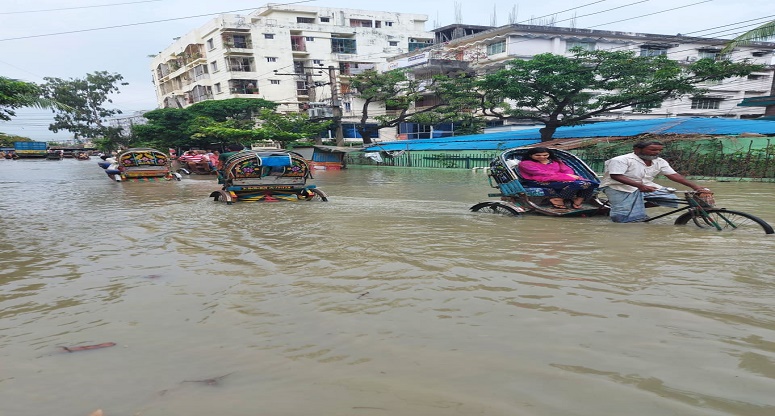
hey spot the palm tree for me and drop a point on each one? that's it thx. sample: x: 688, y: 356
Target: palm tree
x: 17, y: 94
x: 762, y: 32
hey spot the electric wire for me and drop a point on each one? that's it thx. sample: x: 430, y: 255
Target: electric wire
x: 261, y: 77
x: 80, y: 7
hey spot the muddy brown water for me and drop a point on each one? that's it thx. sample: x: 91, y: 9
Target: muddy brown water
x: 391, y: 299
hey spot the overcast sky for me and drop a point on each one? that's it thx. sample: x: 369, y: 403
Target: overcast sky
x: 55, y: 38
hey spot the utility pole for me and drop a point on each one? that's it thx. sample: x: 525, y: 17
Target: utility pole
x: 310, y: 87
x: 336, y: 106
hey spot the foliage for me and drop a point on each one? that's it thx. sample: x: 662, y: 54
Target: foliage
x: 7, y: 140
x: 763, y: 32
x: 166, y: 127
x: 84, y: 99
x: 401, y: 94
x: 237, y: 120
x: 565, y: 90
x: 242, y: 109
x: 16, y: 94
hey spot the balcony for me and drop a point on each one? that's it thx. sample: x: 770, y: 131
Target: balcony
x: 245, y: 48
x: 298, y: 46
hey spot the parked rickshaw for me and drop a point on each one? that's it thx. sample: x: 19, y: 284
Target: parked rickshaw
x: 141, y: 164
x: 696, y: 208
x: 253, y: 176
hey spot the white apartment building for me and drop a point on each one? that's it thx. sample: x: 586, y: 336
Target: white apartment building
x: 288, y: 54
x: 487, y: 50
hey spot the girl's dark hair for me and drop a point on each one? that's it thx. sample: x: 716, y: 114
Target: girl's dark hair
x: 533, y: 150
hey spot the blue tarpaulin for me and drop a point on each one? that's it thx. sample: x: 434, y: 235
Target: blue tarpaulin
x: 506, y: 140
x: 276, y: 160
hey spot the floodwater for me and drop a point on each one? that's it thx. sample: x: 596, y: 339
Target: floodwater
x: 391, y: 299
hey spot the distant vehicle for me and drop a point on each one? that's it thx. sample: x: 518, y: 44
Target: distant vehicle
x: 54, y: 155
x: 141, y: 164
x: 31, y: 149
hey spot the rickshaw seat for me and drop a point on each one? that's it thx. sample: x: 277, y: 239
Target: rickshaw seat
x: 509, y: 190
x: 516, y: 187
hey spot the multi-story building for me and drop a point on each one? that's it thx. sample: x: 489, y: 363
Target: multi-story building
x: 487, y: 50
x: 287, y: 54
x: 125, y: 122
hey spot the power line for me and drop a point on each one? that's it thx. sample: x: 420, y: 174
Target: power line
x: 563, y: 11
x: 138, y: 23
x: 80, y: 7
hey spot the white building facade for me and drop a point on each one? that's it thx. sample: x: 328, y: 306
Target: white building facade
x: 295, y: 56
x: 488, y: 50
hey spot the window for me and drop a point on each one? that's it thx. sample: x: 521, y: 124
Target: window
x: 217, y: 87
x: 348, y: 107
x: 388, y: 23
x: 587, y: 46
x: 653, y: 50
x: 309, y: 38
x: 214, y: 66
x: 274, y: 81
x: 645, y: 107
x: 301, y: 88
x: 199, y: 70
x: 271, y: 59
x: 240, y: 41
x: 241, y: 64
x: 711, y: 54
x: 268, y: 35
x: 415, y: 44
x: 754, y: 77
x: 325, y: 19
x: 393, y: 43
x: 210, y: 44
x: 298, y: 44
x: 360, y: 23
x: 496, y: 48
x: 317, y: 62
x: 343, y: 45
x: 243, y: 86
x: 305, y: 20
x: 703, y: 103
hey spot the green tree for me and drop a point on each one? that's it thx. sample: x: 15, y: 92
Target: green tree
x: 223, y: 121
x: 85, y: 99
x: 166, y: 127
x: 560, y: 90
x: 16, y: 94
x: 243, y: 110
x: 7, y: 140
x: 401, y: 94
x: 761, y: 33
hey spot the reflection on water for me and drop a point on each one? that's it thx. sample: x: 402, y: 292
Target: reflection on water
x: 391, y: 299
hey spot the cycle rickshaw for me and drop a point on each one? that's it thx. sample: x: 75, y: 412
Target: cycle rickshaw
x: 696, y: 208
x: 261, y: 176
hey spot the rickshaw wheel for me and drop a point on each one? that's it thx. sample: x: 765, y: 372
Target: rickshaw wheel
x: 726, y: 219
x: 315, y: 195
x: 496, y: 208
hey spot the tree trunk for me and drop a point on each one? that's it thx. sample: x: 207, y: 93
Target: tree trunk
x: 547, y: 132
